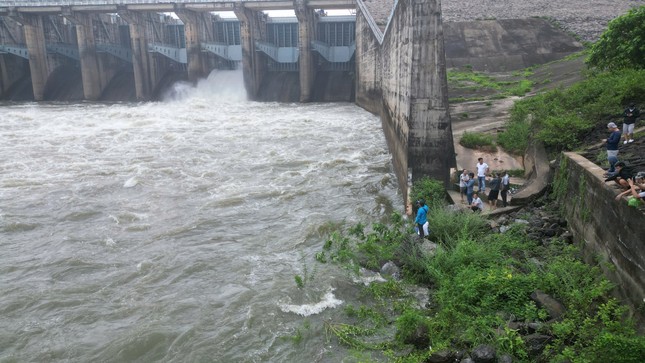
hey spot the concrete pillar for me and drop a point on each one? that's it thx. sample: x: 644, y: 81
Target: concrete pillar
x: 35, y: 39
x: 430, y: 146
x: 141, y: 60
x: 90, y: 70
x: 192, y: 29
x: 306, y: 34
x: 252, y: 26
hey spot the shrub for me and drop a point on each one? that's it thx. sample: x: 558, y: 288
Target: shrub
x: 622, y: 45
x: 431, y: 190
x: 478, y: 140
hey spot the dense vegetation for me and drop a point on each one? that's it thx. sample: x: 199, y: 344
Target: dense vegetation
x: 561, y: 117
x: 622, y: 45
x: 480, y: 287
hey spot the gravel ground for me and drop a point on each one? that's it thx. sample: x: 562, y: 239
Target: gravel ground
x: 585, y: 18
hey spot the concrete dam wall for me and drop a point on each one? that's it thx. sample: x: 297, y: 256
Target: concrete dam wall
x: 401, y: 75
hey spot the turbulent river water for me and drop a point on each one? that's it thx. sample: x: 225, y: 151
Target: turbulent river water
x: 173, y: 231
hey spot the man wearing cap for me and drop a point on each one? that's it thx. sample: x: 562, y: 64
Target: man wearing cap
x: 630, y: 115
x: 612, y: 147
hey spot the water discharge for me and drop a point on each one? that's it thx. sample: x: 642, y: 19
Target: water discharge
x: 172, y: 231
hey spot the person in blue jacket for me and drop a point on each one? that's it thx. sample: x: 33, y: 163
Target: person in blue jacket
x: 422, y: 216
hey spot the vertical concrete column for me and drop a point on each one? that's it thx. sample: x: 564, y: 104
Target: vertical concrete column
x: 430, y: 146
x: 306, y: 34
x: 192, y: 21
x: 141, y: 61
x: 35, y: 39
x: 253, y: 64
x: 90, y: 71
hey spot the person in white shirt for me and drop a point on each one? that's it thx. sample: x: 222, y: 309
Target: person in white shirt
x: 482, y: 170
x: 463, y: 179
x: 477, y: 205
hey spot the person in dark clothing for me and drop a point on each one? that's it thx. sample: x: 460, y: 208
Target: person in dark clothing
x: 612, y: 147
x: 506, y: 185
x: 622, y: 175
x: 630, y: 115
x: 495, y: 184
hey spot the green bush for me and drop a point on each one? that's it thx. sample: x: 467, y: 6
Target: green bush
x: 431, y: 190
x: 563, y: 132
x: 478, y: 140
x: 622, y: 45
x: 560, y: 117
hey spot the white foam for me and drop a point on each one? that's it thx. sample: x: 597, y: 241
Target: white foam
x: 131, y: 182
x: 328, y: 301
x: 367, y: 277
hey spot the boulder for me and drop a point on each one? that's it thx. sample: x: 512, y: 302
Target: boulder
x: 483, y: 354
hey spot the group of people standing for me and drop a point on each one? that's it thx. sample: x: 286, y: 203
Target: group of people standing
x: 498, y: 185
x: 630, y: 116
x: 631, y: 185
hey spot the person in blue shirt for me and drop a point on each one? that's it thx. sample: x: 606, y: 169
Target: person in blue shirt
x: 422, y: 216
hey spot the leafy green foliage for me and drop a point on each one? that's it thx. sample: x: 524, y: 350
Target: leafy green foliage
x: 480, y: 282
x: 560, y: 118
x: 622, y: 45
x: 475, y: 140
x: 431, y: 190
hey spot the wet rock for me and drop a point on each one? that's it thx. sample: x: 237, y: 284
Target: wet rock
x: 428, y: 248
x: 391, y: 269
x: 535, y: 343
x: 554, y: 308
x: 483, y: 354
x: 444, y: 356
x: 504, y: 229
x: 506, y: 358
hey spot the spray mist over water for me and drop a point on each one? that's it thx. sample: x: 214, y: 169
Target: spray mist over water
x: 225, y: 86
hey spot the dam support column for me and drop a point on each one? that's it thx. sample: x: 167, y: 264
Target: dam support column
x: 141, y: 59
x: 306, y: 34
x: 90, y: 71
x: 36, y: 48
x: 192, y: 29
x: 254, y: 67
x: 430, y: 145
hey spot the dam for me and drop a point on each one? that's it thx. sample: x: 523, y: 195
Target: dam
x: 391, y: 65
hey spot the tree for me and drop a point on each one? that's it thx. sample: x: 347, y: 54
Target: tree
x: 622, y: 45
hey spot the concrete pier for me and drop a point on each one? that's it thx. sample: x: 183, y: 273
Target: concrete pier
x: 141, y: 59
x: 35, y: 39
x: 252, y: 29
x: 306, y: 33
x: 192, y: 29
x: 90, y: 71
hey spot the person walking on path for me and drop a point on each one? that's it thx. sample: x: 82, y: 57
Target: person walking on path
x: 495, y: 183
x: 482, y: 169
x: 630, y: 115
x: 612, y: 147
x: 506, y: 185
x: 463, y: 179
x: 470, y: 188
x: 422, y: 216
